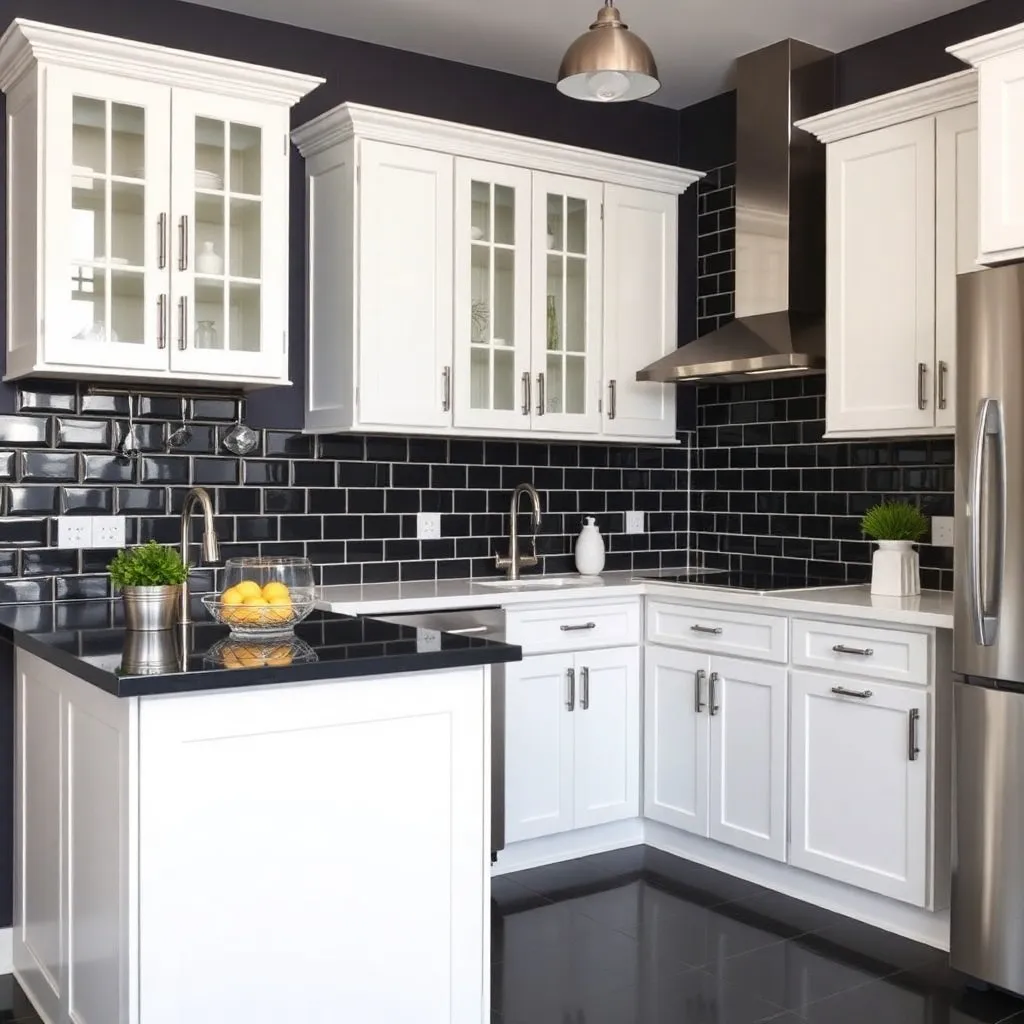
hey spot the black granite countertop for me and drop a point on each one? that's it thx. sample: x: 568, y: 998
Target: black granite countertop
x: 88, y: 639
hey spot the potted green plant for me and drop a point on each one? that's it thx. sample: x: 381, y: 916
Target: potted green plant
x: 150, y: 578
x: 895, y: 567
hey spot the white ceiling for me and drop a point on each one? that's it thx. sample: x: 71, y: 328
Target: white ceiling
x: 694, y: 41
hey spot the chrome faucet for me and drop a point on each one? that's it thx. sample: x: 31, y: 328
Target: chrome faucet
x: 516, y: 561
x: 211, y: 549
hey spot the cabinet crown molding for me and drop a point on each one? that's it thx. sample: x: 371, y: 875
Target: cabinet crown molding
x: 28, y: 43
x: 956, y: 90
x: 995, y: 44
x: 356, y: 120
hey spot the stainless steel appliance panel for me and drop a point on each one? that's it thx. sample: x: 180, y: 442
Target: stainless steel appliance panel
x: 987, y: 914
x: 988, y: 638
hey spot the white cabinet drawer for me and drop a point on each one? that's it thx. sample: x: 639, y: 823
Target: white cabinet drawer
x: 574, y: 627
x: 863, y: 650
x: 695, y: 627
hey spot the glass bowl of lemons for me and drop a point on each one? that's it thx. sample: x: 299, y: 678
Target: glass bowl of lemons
x: 263, y: 597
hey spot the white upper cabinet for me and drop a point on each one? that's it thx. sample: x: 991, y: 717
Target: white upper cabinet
x: 148, y: 210
x: 492, y: 357
x: 901, y: 223
x: 640, y: 309
x: 999, y: 58
x: 566, y: 308
x: 517, y: 285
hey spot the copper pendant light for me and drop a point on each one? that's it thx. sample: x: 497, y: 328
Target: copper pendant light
x: 608, y: 64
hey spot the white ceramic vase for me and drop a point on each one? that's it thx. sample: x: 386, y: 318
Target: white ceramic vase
x: 589, y: 549
x: 209, y: 261
x: 895, y: 569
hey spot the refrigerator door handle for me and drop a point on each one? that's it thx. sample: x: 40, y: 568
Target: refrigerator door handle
x: 985, y: 621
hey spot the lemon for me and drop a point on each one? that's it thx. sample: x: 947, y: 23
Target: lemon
x: 255, y: 610
x: 248, y: 588
x: 280, y: 611
x: 276, y: 593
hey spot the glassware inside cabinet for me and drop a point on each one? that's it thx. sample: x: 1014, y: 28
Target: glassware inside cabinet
x: 228, y: 216
x: 492, y: 291
x: 108, y: 222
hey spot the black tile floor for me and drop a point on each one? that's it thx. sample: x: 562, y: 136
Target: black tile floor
x: 639, y: 937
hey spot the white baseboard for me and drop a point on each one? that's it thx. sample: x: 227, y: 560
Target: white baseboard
x: 583, y: 842
x: 891, y: 915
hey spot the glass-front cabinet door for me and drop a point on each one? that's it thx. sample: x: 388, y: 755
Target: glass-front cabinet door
x: 567, y: 268
x: 229, y: 237
x: 107, y: 191
x: 492, y: 385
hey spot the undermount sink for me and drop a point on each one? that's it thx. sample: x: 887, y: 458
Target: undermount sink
x: 539, y: 583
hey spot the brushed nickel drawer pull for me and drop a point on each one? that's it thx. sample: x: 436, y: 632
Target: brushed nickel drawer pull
x: 713, y: 630
x: 922, y: 376
x: 913, y: 750
x: 161, y: 241
x: 612, y: 399
x: 446, y: 388
x: 585, y: 625
x: 943, y: 374
x: 161, y: 321
x: 585, y: 683
x: 863, y: 652
x: 526, y: 392
x: 842, y: 691
x: 570, y: 701
x: 698, y: 680
x: 713, y: 706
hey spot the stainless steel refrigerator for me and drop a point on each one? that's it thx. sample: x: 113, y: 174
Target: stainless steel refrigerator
x: 987, y: 918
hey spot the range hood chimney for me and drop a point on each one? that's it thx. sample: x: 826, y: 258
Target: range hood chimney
x: 779, y: 328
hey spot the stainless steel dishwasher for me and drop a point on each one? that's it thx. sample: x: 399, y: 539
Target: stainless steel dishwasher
x: 488, y: 623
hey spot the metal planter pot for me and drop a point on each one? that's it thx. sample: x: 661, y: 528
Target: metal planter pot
x: 150, y: 608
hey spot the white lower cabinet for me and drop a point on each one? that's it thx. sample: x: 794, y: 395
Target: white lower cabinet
x: 715, y: 755
x: 572, y: 746
x: 859, y: 768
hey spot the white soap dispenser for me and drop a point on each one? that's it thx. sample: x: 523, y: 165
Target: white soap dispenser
x: 589, y: 549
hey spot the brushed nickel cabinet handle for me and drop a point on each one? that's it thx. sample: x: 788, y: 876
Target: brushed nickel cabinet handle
x: 913, y: 717
x: 540, y: 394
x: 183, y: 242
x: 526, y: 392
x: 183, y: 322
x: 584, y: 625
x: 713, y: 630
x: 161, y: 321
x: 863, y: 652
x: 713, y: 705
x: 161, y: 241
x: 570, y: 701
x: 585, y: 683
x: 612, y: 399
x: 698, y: 680
x: 922, y: 377
x: 943, y: 375
x: 446, y: 382
x: 842, y: 691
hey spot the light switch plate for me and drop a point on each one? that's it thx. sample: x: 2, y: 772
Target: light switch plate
x: 74, y: 532
x: 634, y: 522
x: 942, y: 531
x: 108, y: 531
x: 428, y: 525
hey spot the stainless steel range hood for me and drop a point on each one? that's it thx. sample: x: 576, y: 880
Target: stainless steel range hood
x: 779, y: 328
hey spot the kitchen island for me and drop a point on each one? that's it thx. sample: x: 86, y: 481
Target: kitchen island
x: 258, y: 836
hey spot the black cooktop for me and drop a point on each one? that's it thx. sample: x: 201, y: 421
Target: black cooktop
x: 761, y: 582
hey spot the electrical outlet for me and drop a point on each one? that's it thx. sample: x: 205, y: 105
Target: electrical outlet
x: 74, y: 531
x: 634, y: 522
x: 428, y: 525
x: 108, y: 531
x: 942, y: 531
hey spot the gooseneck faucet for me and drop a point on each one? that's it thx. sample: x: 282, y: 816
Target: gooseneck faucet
x: 515, y: 560
x: 211, y: 549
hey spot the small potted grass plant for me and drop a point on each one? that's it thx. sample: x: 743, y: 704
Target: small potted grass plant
x: 895, y: 567
x: 150, y: 578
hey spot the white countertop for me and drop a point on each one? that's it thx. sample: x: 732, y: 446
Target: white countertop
x: 932, y: 608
